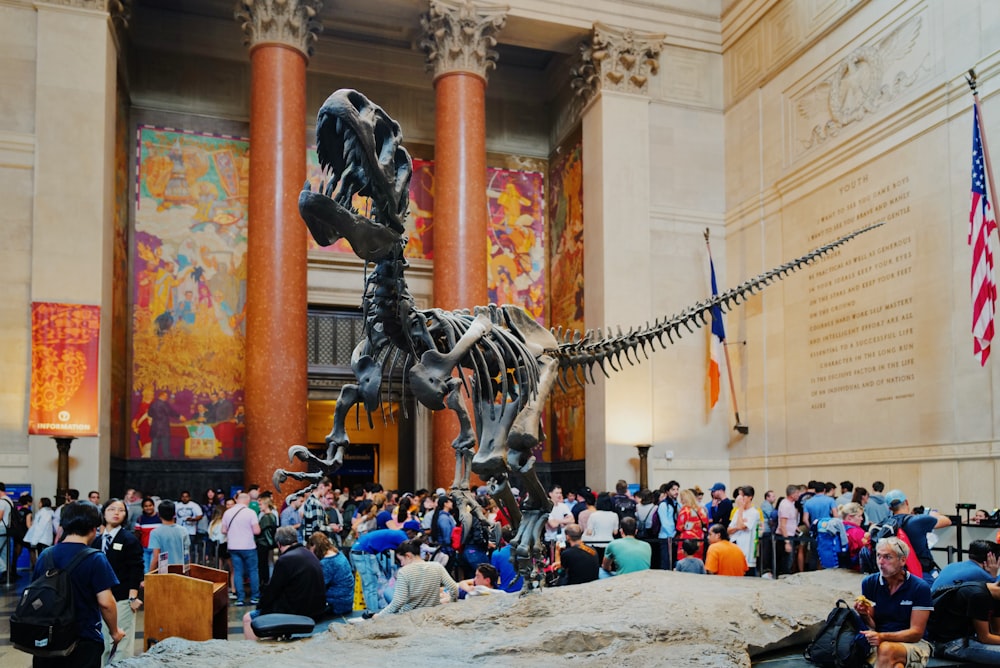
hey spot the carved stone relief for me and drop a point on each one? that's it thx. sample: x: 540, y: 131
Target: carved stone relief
x: 293, y: 23
x: 459, y: 36
x: 860, y: 84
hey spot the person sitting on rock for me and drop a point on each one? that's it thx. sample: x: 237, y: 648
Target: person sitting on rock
x: 723, y: 557
x: 690, y: 563
x: 981, y: 566
x: 484, y: 583
x: 296, y: 587
x: 418, y: 582
x: 896, y: 606
x: 578, y: 561
x: 627, y: 554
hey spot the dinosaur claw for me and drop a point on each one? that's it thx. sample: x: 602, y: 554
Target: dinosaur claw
x: 279, y: 477
x: 299, y: 452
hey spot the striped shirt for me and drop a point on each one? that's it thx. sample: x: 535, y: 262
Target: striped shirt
x: 418, y: 585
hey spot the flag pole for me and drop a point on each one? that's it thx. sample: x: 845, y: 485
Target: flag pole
x: 739, y: 427
x: 971, y: 80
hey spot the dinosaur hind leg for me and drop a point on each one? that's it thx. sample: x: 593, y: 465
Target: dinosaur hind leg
x: 465, y: 442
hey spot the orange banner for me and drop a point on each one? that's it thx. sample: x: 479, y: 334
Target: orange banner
x: 64, y: 366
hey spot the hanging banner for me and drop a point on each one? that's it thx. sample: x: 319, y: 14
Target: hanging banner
x: 64, y: 366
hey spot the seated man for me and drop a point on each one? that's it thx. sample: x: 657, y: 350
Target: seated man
x: 296, y: 587
x: 981, y: 566
x: 723, y: 557
x: 483, y: 584
x: 965, y: 623
x: 627, y: 554
x: 578, y: 560
x: 896, y: 607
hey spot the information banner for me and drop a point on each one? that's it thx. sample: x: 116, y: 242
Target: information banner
x: 64, y: 369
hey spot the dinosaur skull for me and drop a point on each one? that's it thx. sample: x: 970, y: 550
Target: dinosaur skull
x: 360, y: 150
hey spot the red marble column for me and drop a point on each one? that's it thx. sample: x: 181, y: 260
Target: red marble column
x: 276, y: 382
x: 459, y: 221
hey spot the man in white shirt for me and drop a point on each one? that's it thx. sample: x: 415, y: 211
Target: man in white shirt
x: 559, y: 517
x: 188, y: 515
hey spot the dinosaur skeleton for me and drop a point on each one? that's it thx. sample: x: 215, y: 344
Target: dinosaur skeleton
x: 504, y: 361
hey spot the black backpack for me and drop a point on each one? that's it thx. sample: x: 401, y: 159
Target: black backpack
x: 44, y: 621
x: 12, y: 517
x: 623, y: 506
x: 837, y: 645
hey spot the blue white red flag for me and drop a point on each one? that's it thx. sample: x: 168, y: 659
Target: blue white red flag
x: 717, y: 339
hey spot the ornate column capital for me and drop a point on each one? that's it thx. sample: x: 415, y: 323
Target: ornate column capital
x: 618, y: 59
x: 459, y: 36
x: 293, y: 23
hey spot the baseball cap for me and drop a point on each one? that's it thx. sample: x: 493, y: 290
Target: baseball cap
x: 411, y: 525
x: 718, y: 487
x: 894, y: 498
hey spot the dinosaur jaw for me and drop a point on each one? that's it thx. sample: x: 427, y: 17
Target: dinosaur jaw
x: 360, y: 150
x: 328, y: 222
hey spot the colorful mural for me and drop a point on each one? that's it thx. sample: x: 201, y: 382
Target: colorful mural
x: 418, y: 224
x: 516, y: 240
x: 566, y: 291
x: 189, y: 295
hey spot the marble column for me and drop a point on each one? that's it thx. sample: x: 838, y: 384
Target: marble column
x: 72, y: 219
x: 280, y: 34
x: 612, y: 77
x: 459, y: 41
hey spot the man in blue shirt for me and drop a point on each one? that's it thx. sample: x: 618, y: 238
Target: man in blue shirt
x: 896, y: 606
x: 917, y: 527
x: 92, y: 580
x: 981, y: 566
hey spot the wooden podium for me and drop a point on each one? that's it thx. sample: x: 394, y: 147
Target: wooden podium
x: 194, y: 606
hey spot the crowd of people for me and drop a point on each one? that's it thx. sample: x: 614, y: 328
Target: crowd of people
x: 411, y: 550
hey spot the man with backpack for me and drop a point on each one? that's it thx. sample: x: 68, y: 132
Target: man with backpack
x: 7, y: 512
x: 895, y: 606
x: 90, y: 581
x: 916, y: 527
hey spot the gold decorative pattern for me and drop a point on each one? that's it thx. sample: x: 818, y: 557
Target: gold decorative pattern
x: 459, y: 36
x: 619, y: 59
x: 293, y: 23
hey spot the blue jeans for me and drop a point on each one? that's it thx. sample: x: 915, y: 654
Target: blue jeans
x: 967, y: 649
x: 369, y: 570
x: 245, y: 561
x: 147, y: 558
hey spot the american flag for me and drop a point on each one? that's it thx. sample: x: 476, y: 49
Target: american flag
x: 982, y: 224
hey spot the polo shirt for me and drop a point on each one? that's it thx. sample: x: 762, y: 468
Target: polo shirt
x: 892, y: 611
